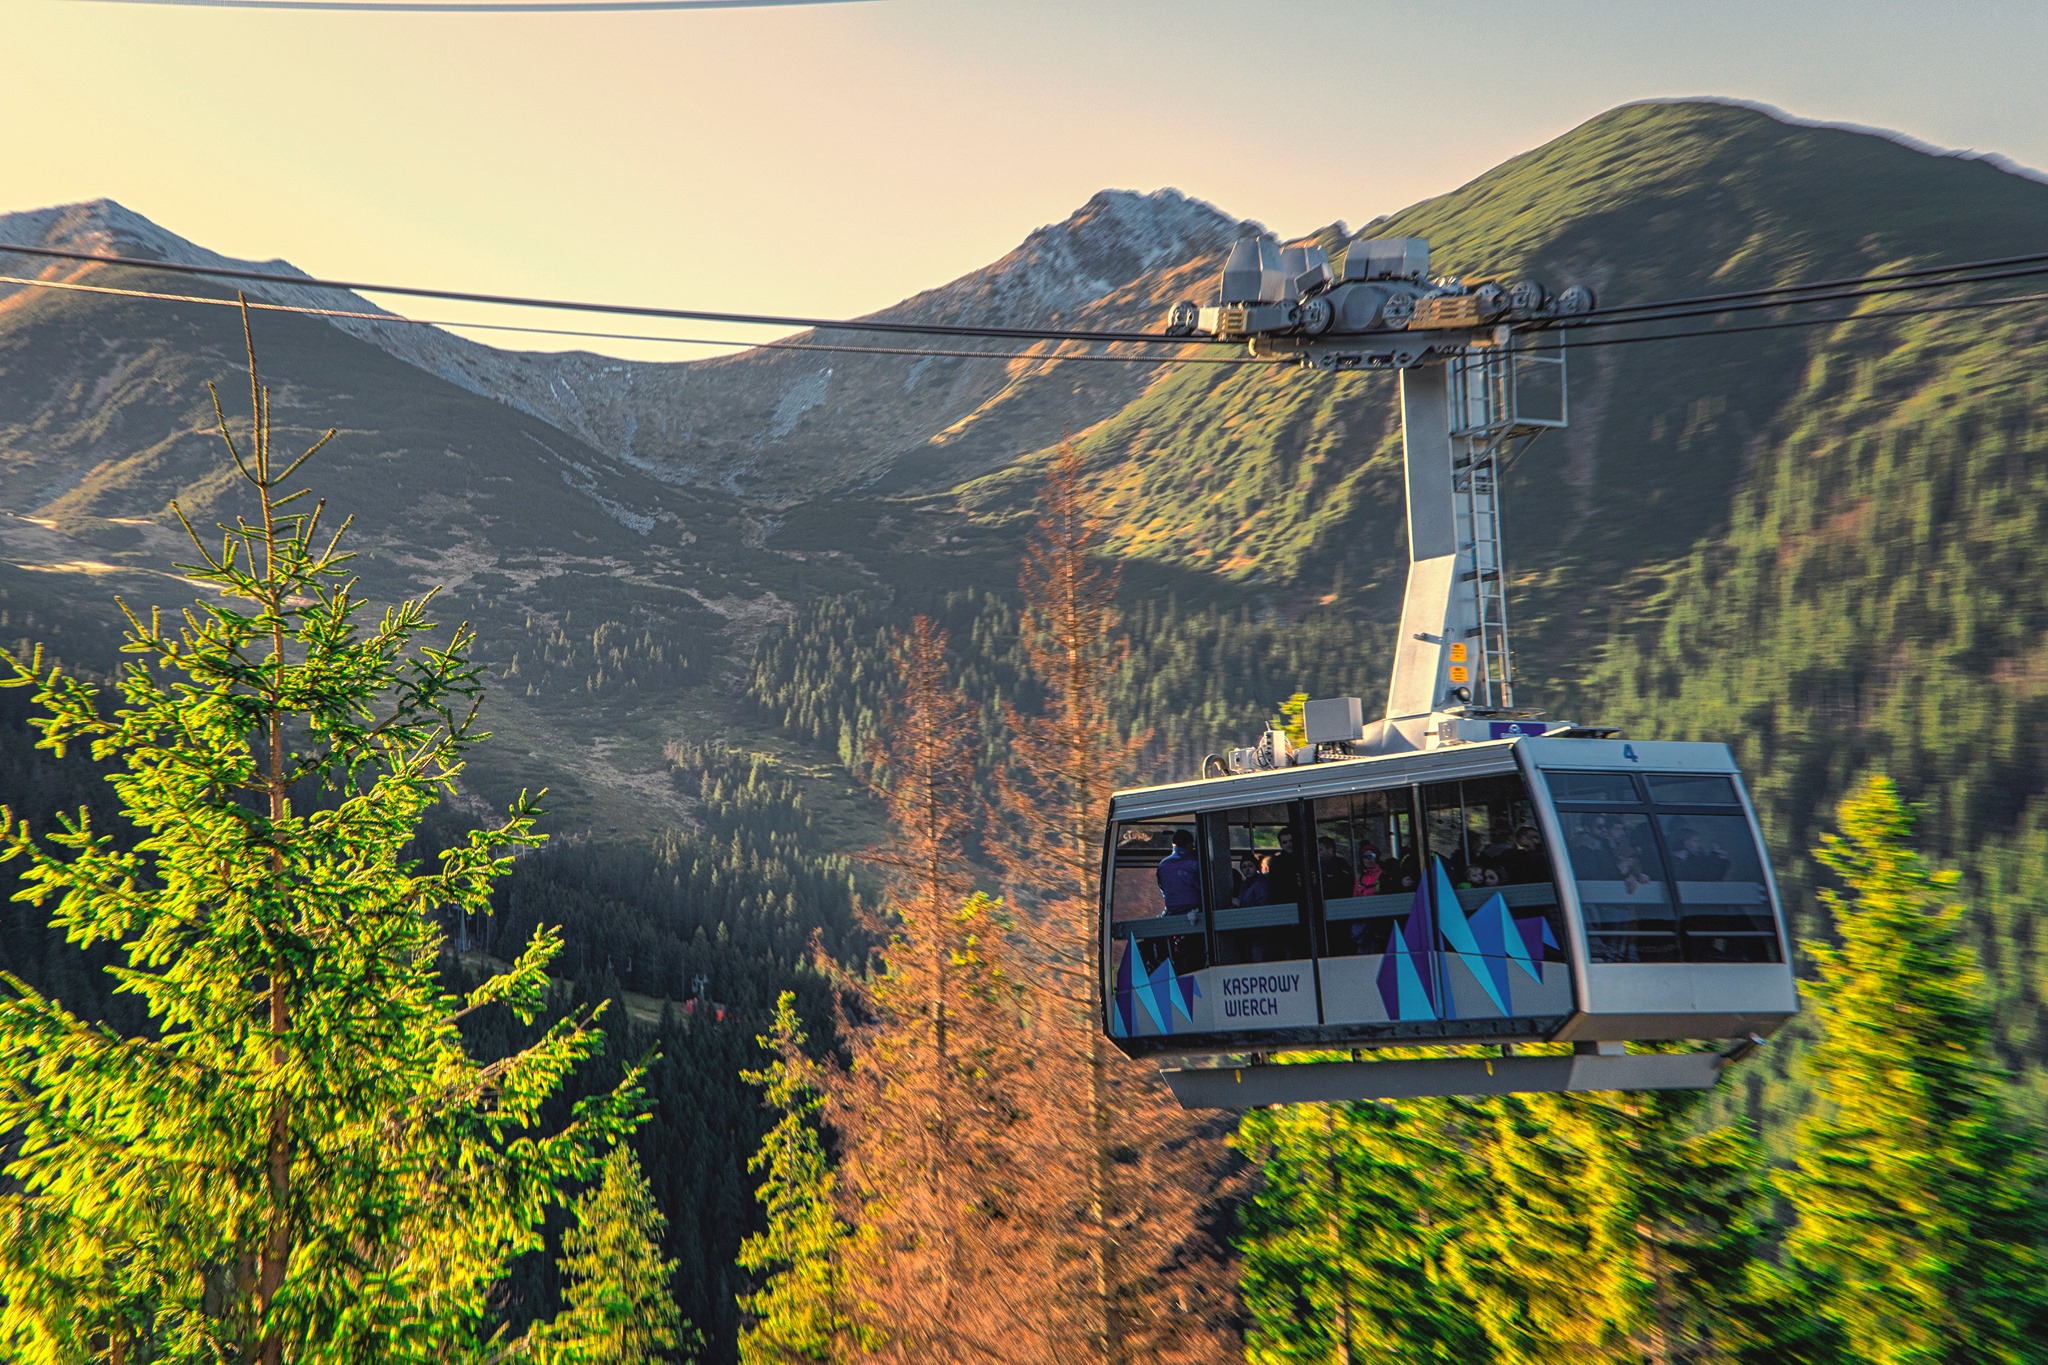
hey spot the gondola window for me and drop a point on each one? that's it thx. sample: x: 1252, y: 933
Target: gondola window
x: 1367, y: 839
x: 1155, y: 893
x: 1667, y: 868
x: 1258, y: 885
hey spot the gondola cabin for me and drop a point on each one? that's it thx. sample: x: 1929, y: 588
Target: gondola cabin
x: 1594, y: 891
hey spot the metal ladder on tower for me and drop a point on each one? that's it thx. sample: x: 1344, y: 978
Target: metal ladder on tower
x: 1480, y: 419
x: 1486, y: 429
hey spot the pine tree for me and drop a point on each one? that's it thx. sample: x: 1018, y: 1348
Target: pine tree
x: 805, y: 1311
x: 1918, y: 1199
x: 619, y: 1305
x: 1343, y: 1243
x: 1122, y: 1171
x: 298, y: 1159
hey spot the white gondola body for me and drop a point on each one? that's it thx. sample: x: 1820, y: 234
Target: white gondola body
x: 1667, y: 925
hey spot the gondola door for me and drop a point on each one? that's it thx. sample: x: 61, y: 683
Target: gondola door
x: 1258, y: 881
x: 1369, y: 970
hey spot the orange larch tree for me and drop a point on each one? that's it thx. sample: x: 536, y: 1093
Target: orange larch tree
x: 927, y: 1108
x: 1122, y: 1173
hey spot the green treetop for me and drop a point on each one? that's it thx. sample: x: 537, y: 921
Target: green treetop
x: 620, y: 1310
x: 1609, y: 1228
x: 299, y: 1160
x: 1343, y: 1243
x: 804, y: 1312
x: 1917, y: 1197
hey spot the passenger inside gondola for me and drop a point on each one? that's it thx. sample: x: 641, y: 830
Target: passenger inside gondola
x: 1592, y: 850
x: 1693, y: 861
x: 1368, y: 880
x: 1180, y: 875
x: 1525, y: 860
x: 1255, y: 888
x: 1155, y: 895
x: 1338, y: 879
x: 1283, y: 869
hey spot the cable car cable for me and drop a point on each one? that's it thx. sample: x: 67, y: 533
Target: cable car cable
x: 832, y: 347
x: 947, y: 329
x: 622, y: 309
x: 1966, y: 305
x: 1838, y: 296
x: 1668, y: 310
x: 1961, y: 267
x: 308, y: 310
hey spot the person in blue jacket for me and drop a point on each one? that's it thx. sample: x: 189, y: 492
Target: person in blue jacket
x: 1180, y: 875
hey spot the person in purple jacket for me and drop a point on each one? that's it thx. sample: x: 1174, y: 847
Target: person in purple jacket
x: 1180, y: 875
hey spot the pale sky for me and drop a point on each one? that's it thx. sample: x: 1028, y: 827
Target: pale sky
x: 832, y: 160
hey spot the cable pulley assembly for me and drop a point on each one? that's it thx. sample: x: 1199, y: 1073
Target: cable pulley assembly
x: 1383, y: 311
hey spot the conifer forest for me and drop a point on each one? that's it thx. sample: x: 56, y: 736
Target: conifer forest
x: 359, y: 1002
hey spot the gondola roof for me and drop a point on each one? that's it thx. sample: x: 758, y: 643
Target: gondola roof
x: 1475, y: 759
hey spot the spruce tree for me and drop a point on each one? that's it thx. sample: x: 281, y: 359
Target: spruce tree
x: 1613, y: 1228
x: 298, y: 1159
x: 1343, y: 1243
x: 619, y: 1305
x: 1522, y: 1256
x: 1672, y: 1229
x: 804, y: 1311
x: 1918, y: 1199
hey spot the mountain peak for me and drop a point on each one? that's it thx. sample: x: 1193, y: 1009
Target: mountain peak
x: 1113, y: 239
x: 1121, y: 234
x: 110, y: 227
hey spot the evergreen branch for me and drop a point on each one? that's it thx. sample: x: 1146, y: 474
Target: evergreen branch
x: 221, y: 424
x: 311, y: 451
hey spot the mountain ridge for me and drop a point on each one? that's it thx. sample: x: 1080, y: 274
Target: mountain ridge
x: 1273, y: 491
x: 652, y: 415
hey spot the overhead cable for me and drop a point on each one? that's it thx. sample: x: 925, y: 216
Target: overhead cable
x: 360, y: 315
x: 1831, y: 296
x: 1671, y: 310
x: 620, y: 309
x: 481, y: 6
x: 1880, y: 277
x: 1921, y: 310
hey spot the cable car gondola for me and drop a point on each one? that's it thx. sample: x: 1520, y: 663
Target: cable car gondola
x: 1505, y: 892
x: 1462, y: 875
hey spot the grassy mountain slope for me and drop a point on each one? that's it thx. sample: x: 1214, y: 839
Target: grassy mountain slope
x: 1880, y: 601
x: 1289, y: 477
